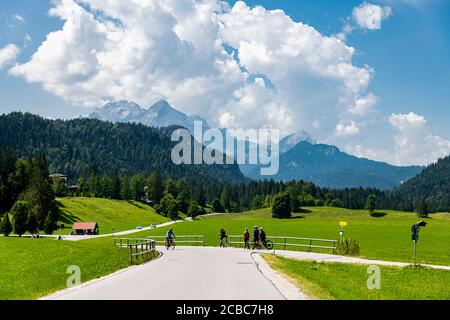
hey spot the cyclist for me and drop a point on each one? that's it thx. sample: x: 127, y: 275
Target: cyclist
x: 262, y: 236
x: 223, y: 237
x: 246, y: 239
x: 256, y: 238
x: 169, y: 238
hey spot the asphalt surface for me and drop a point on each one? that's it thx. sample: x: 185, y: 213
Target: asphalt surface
x: 188, y: 273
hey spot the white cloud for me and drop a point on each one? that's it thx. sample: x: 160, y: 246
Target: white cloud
x: 407, y: 122
x: 347, y: 129
x: 363, y: 106
x: 8, y: 55
x: 179, y: 50
x: 413, y: 144
x: 19, y: 18
x: 370, y: 16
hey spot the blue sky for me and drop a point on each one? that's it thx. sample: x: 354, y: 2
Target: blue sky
x: 410, y: 56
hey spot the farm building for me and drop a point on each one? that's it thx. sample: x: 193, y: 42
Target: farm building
x: 85, y: 228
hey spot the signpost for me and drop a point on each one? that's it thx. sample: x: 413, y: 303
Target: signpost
x: 415, y: 229
x: 343, y: 224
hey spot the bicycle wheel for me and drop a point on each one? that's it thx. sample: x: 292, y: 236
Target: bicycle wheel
x: 269, y: 244
x: 173, y: 244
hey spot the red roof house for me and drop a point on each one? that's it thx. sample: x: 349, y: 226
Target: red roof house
x: 85, y: 228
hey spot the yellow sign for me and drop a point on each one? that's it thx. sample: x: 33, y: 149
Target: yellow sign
x: 343, y: 223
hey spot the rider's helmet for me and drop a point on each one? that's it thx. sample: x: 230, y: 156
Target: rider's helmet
x: 261, y: 228
x: 256, y: 227
x: 170, y: 230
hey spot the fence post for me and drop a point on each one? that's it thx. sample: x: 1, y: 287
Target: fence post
x: 285, y: 244
x: 310, y: 245
x: 131, y: 254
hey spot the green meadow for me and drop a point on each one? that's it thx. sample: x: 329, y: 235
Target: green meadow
x: 338, y: 281
x: 387, y: 237
x: 32, y: 268
x: 109, y: 214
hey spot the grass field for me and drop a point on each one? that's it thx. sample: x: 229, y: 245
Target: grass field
x: 387, y: 237
x: 31, y: 268
x: 330, y: 281
x: 109, y: 214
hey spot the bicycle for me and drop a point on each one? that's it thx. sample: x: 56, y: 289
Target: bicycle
x: 170, y: 243
x: 268, y: 244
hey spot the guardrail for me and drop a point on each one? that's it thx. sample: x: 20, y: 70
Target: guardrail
x: 181, y: 240
x: 125, y: 242
x: 142, y: 250
x: 287, y: 242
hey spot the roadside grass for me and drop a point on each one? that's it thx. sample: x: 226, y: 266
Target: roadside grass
x: 109, y: 214
x: 339, y: 281
x: 384, y: 238
x: 32, y: 268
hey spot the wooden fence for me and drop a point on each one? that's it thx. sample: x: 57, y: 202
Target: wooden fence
x: 285, y: 243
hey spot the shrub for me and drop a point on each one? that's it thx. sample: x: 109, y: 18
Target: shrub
x: 167, y: 207
x: 348, y: 248
x: 281, y: 206
x: 195, y: 209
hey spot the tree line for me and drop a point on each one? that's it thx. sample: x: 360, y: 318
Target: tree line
x: 27, y: 201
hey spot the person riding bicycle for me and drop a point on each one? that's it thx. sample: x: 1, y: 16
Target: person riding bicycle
x: 246, y: 239
x: 169, y: 237
x: 223, y: 237
x: 262, y: 236
x: 255, y: 237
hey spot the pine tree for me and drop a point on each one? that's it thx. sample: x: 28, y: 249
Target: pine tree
x: 39, y: 195
x: 137, y: 186
x: 51, y: 222
x: 19, y: 217
x: 5, y: 226
x: 115, y: 187
x: 422, y: 209
x: 371, y: 204
x: 225, y: 197
x: 217, y: 206
x: 200, y: 196
x: 125, y: 189
x: 155, y: 187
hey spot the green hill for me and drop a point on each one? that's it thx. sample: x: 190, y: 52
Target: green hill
x: 80, y: 147
x: 432, y: 184
x: 109, y: 214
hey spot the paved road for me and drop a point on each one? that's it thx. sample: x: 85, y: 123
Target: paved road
x: 186, y: 273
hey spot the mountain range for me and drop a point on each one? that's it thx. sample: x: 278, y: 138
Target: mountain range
x: 327, y: 166
x: 159, y: 115
x: 301, y: 156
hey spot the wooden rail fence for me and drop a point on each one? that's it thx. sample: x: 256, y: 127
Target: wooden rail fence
x: 140, y: 249
x: 291, y: 242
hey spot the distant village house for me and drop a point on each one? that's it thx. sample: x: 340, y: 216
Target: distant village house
x: 85, y: 228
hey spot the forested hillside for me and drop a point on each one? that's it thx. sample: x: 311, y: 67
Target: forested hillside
x: 81, y: 147
x: 433, y: 185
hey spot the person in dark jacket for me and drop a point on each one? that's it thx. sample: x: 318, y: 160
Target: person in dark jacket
x: 246, y: 239
x: 255, y: 237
